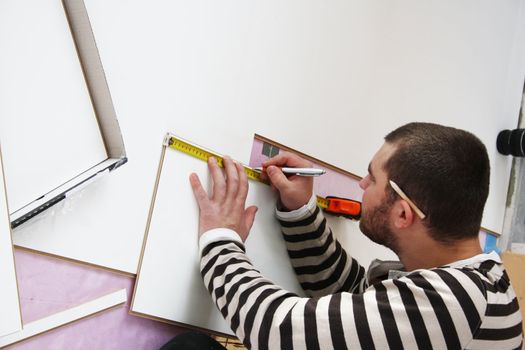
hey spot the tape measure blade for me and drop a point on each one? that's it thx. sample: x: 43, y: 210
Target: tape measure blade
x: 322, y: 202
x: 204, y: 154
x: 191, y: 149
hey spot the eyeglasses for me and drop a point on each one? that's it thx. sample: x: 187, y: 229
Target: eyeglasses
x: 412, y: 205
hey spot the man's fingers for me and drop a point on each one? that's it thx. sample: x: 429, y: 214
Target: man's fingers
x: 243, y: 184
x: 219, y: 182
x: 199, y: 192
x: 232, y: 178
x: 287, y: 159
x: 277, y: 178
x: 278, y: 160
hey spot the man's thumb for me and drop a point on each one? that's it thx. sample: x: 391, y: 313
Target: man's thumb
x: 277, y: 177
x: 249, y: 216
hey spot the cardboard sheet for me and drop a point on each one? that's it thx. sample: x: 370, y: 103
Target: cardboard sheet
x: 515, y: 266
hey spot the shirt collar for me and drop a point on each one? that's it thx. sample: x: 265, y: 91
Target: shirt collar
x: 476, y: 260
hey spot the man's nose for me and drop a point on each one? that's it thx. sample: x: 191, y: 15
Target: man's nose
x: 363, y: 183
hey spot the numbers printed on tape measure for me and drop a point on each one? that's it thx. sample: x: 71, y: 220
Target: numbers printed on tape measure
x: 202, y: 154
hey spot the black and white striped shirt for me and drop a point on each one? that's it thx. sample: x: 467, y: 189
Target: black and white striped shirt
x: 469, y: 304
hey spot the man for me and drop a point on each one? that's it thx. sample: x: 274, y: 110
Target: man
x: 423, y: 197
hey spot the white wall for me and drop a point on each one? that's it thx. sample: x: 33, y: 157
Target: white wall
x: 329, y: 78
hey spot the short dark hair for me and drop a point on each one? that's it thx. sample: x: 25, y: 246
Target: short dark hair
x: 446, y: 172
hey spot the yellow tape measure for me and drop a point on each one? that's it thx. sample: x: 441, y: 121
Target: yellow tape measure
x: 198, y: 152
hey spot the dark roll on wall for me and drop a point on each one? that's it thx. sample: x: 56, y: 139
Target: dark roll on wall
x: 511, y: 142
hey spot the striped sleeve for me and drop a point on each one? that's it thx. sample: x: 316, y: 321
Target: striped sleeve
x: 321, y: 264
x: 441, y: 308
x: 502, y: 326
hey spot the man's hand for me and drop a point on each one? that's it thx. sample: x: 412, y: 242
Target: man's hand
x: 294, y: 191
x: 225, y: 208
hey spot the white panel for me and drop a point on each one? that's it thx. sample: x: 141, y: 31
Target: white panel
x: 65, y: 317
x: 10, y: 319
x: 169, y: 284
x: 48, y: 128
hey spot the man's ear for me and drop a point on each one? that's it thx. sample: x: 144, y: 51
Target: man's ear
x: 403, y: 216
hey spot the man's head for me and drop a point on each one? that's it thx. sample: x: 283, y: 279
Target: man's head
x: 444, y: 171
